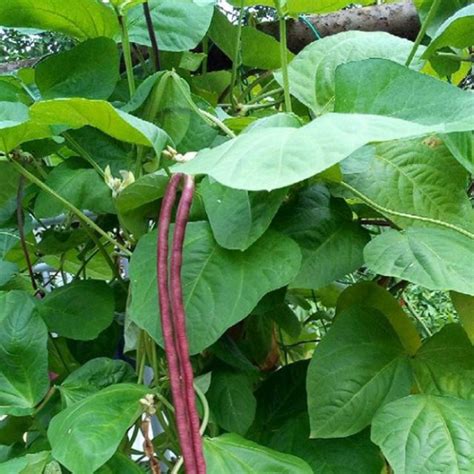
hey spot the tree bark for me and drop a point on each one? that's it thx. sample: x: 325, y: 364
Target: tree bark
x: 399, y: 19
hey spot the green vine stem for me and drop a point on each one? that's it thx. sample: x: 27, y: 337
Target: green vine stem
x: 422, y: 32
x: 127, y: 54
x: 236, y: 59
x: 77, y: 212
x: 83, y: 152
x: 284, y: 57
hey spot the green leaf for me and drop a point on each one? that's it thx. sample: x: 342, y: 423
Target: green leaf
x: 443, y: 11
x: 372, y: 295
x: 7, y: 271
x: 90, y: 70
x: 179, y: 24
x: 358, y: 366
x: 232, y: 454
x: 80, y: 310
x: 461, y: 145
x: 331, y: 243
x: 351, y: 455
x: 9, y: 180
x: 120, y: 464
x: 238, y: 279
x: 411, y: 182
x: 28, y: 464
x: 378, y: 86
x: 464, y: 305
x: 81, y: 19
x: 23, y: 354
x: 86, y: 435
x: 79, y: 185
x: 238, y: 218
x: 445, y: 364
x: 456, y: 31
x: 425, y: 433
x: 224, y: 34
x: 312, y: 72
x: 438, y: 259
x: 272, y: 158
x: 93, y: 376
x: 77, y: 113
x: 232, y: 401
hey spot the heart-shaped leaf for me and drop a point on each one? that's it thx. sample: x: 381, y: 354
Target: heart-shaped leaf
x: 23, y: 354
x: 238, y: 281
x: 426, y: 433
x: 359, y: 366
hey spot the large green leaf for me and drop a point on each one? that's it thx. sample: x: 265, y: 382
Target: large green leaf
x: 77, y: 113
x: 224, y: 34
x: 81, y: 19
x: 312, y: 72
x: 179, y: 24
x: 80, y: 310
x: 331, y: 243
x: 232, y: 454
x: 86, y: 435
x: 426, y: 434
x: 7, y: 271
x: 351, y: 455
x: 232, y: 401
x: 220, y: 286
x: 23, y: 354
x: 93, y: 376
x: 438, y: 259
x: 80, y: 185
x: 411, y: 182
x: 272, y: 158
x: 445, y: 364
x: 238, y: 218
x: 358, y: 366
x: 120, y: 464
x: 372, y: 295
x: 9, y: 180
x: 90, y: 70
x: 443, y: 11
x: 456, y: 31
x: 378, y: 86
x: 28, y: 464
x: 464, y: 305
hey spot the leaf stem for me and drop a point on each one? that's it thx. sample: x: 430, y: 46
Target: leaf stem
x: 284, y: 57
x: 80, y: 215
x: 83, y: 153
x: 422, y: 32
x: 236, y: 58
x: 127, y: 54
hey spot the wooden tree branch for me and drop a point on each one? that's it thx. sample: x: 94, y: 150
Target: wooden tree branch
x: 399, y: 19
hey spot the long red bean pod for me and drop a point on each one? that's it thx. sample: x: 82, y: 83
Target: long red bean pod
x: 177, y: 306
x: 174, y: 325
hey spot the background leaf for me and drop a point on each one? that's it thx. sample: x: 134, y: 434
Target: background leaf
x: 79, y: 310
x: 23, y: 355
x: 90, y: 70
x: 238, y: 281
x: 438, y: 259
x: 425, y: 433
x: 358, y: 366
x: 85, y: 436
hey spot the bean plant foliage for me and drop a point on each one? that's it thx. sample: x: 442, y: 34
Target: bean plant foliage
x: 261, y: 324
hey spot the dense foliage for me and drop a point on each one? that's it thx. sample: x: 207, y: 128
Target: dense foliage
x: 328, y: 184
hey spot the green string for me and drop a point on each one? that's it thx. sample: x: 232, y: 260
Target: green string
x: 313, y: 29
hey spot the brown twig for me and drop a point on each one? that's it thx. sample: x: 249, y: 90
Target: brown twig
x: 148, y: 446
x: 152, y: 35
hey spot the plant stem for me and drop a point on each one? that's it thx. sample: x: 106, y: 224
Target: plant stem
x: 205, y: 50
x: 46, y: 399
x: 417, y: 317
x: 80, y: 215
x: 152, y: 35
x: 422, y: 32
x: 83, y: 153
x: 236, y: 58
x: 127, y: 54
x: 284, y: 58
x: 21, y: 231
